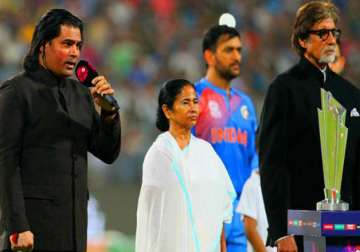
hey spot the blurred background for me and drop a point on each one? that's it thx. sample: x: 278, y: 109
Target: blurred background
x: 137, y: 45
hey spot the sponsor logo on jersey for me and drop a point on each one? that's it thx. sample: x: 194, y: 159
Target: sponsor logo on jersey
x: 214, y: 109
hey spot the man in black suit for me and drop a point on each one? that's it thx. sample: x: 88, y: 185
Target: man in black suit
x: 290, y: 152
x: 48, y: 124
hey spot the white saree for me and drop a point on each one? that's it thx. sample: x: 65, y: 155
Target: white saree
x: 186, y: 196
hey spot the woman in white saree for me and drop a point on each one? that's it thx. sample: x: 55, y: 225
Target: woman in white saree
x: 186, y: 193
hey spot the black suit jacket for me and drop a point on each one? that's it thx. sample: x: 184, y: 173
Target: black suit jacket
x: 289, y: 143
x: 47, y: 127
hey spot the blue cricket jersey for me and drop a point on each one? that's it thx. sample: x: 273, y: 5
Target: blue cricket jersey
x: 229, y: 124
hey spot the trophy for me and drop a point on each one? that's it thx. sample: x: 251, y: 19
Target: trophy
x: 333, y: 136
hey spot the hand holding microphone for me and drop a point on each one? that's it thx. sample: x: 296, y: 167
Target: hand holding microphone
x: 23, y: 241
x: 99, y: 87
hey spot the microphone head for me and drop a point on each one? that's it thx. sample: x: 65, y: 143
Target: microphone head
x: 85, y: 72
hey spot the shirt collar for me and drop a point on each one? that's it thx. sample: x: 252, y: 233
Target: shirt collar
x: 216, y: 88
x: 46, y: 76
x: 323, y: 71
x: 312, y: 71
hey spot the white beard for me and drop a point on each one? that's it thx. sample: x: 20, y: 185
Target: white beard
x: 328, y: 57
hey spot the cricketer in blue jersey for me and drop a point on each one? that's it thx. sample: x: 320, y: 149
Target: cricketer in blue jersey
x: 227, y: 118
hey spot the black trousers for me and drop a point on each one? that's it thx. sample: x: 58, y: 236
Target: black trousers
x: 299, y: 243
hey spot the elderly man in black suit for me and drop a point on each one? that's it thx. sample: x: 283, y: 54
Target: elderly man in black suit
x: 290, y: 153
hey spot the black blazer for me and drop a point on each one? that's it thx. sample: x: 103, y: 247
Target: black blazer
x: 47, y: 127
x: 289, y: 143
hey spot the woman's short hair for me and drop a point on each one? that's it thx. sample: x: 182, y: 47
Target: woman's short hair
x: 167, y: 96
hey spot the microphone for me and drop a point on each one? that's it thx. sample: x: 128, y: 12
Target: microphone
x: 14, y: 237
x: 85, y: 73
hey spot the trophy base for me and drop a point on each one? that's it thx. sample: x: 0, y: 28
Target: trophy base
x: 326, y: 205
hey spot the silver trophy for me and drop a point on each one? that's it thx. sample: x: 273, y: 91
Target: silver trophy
x: 333, y: 137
